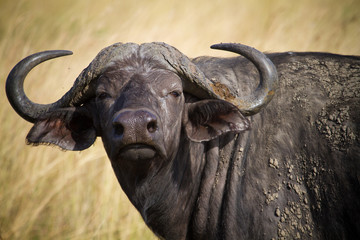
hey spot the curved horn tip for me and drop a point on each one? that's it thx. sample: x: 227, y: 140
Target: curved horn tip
x: 224, y: 46
x: 217, y: 46
x: 57, y: 53
x: 66, y: 52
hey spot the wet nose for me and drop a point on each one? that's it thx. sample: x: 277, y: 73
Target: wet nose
x: 135, y: 123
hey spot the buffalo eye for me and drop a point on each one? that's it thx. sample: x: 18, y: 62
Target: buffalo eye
x: 102, y: 95
x: 175, y: 94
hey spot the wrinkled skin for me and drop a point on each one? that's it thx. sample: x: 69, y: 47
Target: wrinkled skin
x: 195, y: 169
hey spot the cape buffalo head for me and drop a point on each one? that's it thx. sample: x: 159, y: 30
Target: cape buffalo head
x: 141, y: 99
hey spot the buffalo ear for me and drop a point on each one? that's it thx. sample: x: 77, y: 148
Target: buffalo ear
x: 208, y: 119
x: 68, y: 128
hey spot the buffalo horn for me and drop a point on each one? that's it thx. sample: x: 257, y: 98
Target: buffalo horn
x: 268, y: 78
x: 27, y: 109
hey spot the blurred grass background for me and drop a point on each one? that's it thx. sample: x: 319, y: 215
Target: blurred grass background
x: 46, y: 193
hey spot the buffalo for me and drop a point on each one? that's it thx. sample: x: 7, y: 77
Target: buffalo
x: 257, y: 146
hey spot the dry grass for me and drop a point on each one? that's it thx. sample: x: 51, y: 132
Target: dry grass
x: 49, y: 194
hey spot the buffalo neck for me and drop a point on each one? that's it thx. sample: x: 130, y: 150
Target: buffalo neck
x: 186, y: 198
x: 217, y: 201
x: 167, y: 194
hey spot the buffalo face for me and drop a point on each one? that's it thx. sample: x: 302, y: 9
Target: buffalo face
x: 139, y: 109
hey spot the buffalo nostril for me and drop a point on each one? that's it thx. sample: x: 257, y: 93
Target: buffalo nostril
x: 118, y: 129
x: 152, y: 126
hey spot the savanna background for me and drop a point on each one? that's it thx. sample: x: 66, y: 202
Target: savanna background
x: 46, y: 193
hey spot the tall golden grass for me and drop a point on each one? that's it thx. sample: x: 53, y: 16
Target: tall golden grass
x: 46, y: 193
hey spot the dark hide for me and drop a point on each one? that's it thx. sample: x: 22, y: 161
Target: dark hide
x: 295, y: 174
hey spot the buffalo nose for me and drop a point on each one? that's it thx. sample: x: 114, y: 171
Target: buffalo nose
x: 135, y: 123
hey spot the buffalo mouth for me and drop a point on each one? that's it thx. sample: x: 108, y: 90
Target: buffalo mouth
x: 137, y: 152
